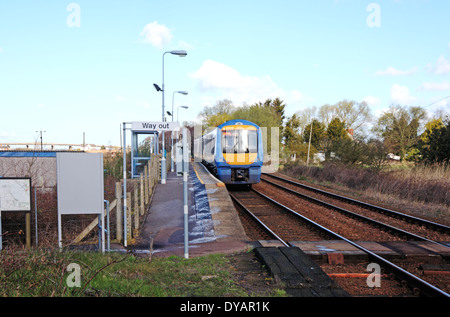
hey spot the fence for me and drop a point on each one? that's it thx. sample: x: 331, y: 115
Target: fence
x: 44, y: 214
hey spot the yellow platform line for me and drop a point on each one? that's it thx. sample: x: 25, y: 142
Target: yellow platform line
x: 218, y: 184
x: 198, y: 176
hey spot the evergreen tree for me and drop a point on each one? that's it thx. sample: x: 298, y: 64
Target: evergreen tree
x: 438, y: 145
x: 317, y: 135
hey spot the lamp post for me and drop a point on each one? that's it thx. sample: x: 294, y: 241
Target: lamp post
x: 178, y: 110
x: 173, y: 98
x: 180, y: 53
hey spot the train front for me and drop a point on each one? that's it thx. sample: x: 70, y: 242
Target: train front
x: 241, y: 156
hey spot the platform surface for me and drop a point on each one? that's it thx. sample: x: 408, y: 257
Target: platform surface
x: 214, y: 226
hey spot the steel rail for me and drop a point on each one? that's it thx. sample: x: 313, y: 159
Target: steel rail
x: 431, y: 224
x: 262, y: 224
x: 408, y: 235
x: 415, y: 282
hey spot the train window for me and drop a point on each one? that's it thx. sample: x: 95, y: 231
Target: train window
x: 239, y: 141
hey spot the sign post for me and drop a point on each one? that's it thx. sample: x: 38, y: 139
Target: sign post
x: 185, y: 193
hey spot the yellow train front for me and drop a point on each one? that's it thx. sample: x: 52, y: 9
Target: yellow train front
x: 234, y: 152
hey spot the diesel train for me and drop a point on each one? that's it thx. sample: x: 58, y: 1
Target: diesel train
x: 233, y: 152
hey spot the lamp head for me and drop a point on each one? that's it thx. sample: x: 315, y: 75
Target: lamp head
x: 180, y: 53
x: 157, y: 87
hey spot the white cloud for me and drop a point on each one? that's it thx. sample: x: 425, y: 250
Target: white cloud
x: 429, y: 86
x: 1, y: 49
x: 395, y: 72
x: 442, y: 66
x: 400, y: 95
x: 156, y: 34
x: 372, y: 101
x: 221, y: 79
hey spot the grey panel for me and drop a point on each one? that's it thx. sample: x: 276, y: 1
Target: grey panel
x: 80, y: 183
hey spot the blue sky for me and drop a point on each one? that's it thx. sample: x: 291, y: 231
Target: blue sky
x: 87, y: 67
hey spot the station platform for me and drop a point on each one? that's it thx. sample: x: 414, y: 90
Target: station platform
x: 214, y: 226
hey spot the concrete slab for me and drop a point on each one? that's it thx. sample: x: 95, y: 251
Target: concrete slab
x: 270, y: 243
x: 408, y: 249
x: 379, y: 248
x: 325, y: 247
x: 441, y: 250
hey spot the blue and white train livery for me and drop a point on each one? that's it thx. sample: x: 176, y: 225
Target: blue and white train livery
x: 233, y: 152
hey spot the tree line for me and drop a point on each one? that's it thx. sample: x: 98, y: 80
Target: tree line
x: 345, y: 131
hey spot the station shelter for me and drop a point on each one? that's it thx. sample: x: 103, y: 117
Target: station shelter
x: 143, y: 145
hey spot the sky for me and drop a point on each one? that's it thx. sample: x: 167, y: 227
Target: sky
x: 74, y: 68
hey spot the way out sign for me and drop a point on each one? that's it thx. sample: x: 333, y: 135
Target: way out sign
x: 154, y: 126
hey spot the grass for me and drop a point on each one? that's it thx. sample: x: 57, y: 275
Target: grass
x: 46, y: 273
x: 417, y: 189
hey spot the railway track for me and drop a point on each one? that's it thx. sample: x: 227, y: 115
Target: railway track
x: 294, y: 223
x: 421, y: 227
x: 400, y: 224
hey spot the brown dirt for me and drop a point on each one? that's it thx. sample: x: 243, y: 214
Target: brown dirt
x: 252, y: 276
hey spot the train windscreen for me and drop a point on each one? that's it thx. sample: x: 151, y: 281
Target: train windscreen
x: 239, y: 141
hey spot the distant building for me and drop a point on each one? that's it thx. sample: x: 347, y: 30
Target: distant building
x: 392, y: 156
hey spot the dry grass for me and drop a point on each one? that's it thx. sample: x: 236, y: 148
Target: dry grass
x: 420, y: 190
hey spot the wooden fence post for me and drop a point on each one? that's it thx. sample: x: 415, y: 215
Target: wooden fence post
x: 142, y: 194
x: 150, y: 177
x: 145, y: 184
x: 136, y: 212
x: 129, y: 223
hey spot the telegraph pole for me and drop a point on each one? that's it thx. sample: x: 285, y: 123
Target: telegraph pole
x: 40, y: 132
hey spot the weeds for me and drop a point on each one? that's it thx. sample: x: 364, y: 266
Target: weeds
x: 46, y: 273
x: 422, y: 189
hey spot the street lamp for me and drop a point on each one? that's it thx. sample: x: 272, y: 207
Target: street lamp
x: 180, y: 53
x: 173, y: 98
x: 178, y: 110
